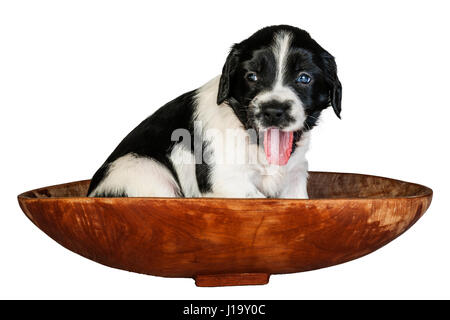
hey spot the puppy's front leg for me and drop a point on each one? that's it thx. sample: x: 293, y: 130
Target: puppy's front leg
x: 296, y: 186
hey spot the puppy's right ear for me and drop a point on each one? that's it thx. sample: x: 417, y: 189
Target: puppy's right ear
x: 333, y: 81
x: 227, y: 73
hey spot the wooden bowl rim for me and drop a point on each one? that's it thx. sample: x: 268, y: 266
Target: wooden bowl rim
x: 424, y: 192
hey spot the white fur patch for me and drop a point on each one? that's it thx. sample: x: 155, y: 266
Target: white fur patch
x: 211, y: 115
x: 138, y: 177
x: 280, y: 49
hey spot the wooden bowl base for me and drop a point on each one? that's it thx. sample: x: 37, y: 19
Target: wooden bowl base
x: 232, y: 279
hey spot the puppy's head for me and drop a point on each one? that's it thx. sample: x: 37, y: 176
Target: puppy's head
x: 278, y: 81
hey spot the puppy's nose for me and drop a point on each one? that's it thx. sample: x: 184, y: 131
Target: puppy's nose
x: 273, y: 114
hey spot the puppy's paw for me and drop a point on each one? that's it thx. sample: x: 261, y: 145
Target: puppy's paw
x: 255, y: 194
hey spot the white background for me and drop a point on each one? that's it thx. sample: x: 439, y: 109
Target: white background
x: 77, y: 76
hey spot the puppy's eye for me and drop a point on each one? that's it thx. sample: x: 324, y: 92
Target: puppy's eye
x: 251, y: 76
x: 303, y: 78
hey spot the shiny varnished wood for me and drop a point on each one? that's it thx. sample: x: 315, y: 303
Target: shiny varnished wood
x: 219, y: 241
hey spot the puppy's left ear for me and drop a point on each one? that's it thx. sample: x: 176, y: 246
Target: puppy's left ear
x: 227, y: 73
x: 333, y: 81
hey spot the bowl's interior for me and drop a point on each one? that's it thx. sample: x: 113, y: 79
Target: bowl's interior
x: 350, y: 185
x: 321, y: 185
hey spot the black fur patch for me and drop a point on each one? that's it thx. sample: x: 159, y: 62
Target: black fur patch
x: 203, y: 170
x: 297, y: 136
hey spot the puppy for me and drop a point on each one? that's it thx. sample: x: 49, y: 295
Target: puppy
x: 243, y: 134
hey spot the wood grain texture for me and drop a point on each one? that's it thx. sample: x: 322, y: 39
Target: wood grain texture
x: 233, y: 279
x: 348, y: 216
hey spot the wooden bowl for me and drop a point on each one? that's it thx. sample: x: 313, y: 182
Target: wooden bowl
x: 230, y: 241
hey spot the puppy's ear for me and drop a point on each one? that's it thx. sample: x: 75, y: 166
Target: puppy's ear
x: 227, y: 73
x: 332, y: 79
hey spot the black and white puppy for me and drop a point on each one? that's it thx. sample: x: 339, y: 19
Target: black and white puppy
x: 273, y: 88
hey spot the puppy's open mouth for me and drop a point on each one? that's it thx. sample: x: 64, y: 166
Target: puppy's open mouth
x: 278, y: 145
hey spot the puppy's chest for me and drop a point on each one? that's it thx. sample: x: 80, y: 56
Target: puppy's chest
x: 269, y: 179
x: 248, y: 161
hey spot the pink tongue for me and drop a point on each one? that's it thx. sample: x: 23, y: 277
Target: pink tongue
x: 278, y: 146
